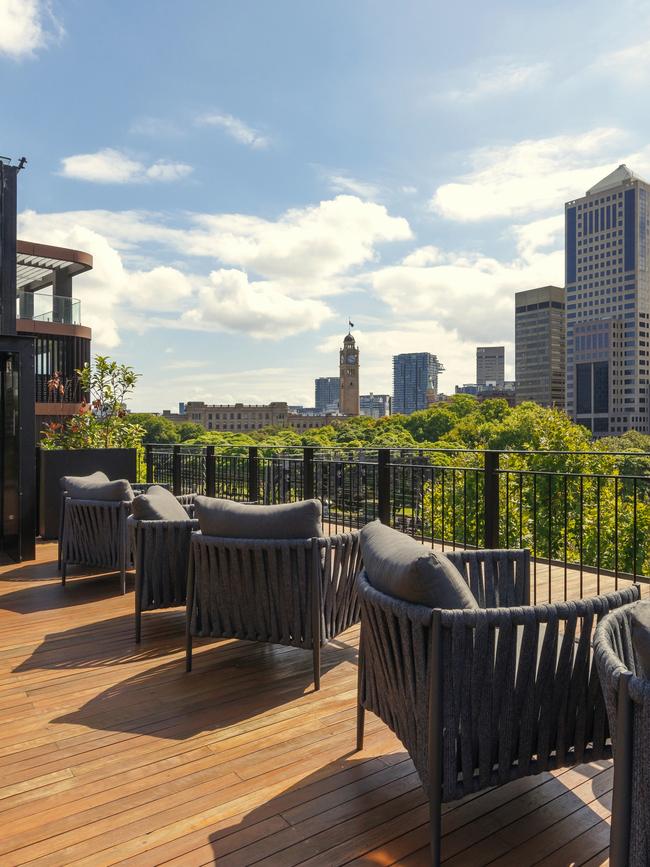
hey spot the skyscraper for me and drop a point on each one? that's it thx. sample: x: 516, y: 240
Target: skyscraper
x: 490, y: 364
x: 540, y: 346
x: 608, y: 305
x: 326, y: 393
x: 349, y: 377
x: 415, y: 380
x: 375, y: 405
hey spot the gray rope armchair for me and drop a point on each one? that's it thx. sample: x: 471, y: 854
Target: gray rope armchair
x: 627, y: 696
x: 294, y: 592
x: 483, y: 696
x: 161, y: 550
x: 94, y: 534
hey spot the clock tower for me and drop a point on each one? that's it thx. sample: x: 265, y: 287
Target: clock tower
x: 349, y: 377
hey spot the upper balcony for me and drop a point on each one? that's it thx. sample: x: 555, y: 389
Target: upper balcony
x: 44, y: 277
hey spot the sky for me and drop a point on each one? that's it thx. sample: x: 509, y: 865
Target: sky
x: 250, y: 175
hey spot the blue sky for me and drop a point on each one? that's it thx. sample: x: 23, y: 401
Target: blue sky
x: 249, y: 174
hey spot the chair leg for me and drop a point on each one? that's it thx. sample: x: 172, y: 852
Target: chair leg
x: 361, y: 718
x: 123, y: 580
x: 138, y: 627
x: 435, y: 818
x: 63, y: 570
x: 188, y: 651
x: 316, y: 666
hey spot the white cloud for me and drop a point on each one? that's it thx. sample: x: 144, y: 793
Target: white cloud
x: 236, y: 129
x: 280, y: 270
x: 341, y: 183
x: 232, y: 302
x: 500, y: 79
x: 26, y: 26
x: 110, y: 166
x: 631, y: 64
x: 428, y: 255
x: 533, y: 175
x: 470, y: 296
x: 310, y: 247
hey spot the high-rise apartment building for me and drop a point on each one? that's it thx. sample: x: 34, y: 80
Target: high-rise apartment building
x: 490, y: 365
x: 415, y: 381
x: 608, y: 305
x: 375, y: 405
x: 326, y: 393
x: 540, y: 345
x: 349, y: 377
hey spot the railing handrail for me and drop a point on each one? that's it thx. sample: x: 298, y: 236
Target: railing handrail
x: 412, y: 449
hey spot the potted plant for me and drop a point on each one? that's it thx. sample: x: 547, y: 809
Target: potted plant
x: 100, y: 436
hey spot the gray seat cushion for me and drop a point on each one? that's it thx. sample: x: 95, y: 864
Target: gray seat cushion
x: 90, y: 488
x: 158, y: 504
x: 226, y: 518
x: 399, y: 566
x: 640, y: 628
x: 79, y: 482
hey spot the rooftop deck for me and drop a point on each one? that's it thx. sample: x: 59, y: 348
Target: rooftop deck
x: 111, y: 754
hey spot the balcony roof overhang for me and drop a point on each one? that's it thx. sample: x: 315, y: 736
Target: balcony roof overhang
x: 37, y: 264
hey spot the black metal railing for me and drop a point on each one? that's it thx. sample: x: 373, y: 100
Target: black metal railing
x: 585, y: 516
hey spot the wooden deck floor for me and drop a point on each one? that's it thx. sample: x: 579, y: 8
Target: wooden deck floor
x: 112, y: 754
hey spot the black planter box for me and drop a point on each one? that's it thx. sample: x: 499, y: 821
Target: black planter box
x: 116, y: 463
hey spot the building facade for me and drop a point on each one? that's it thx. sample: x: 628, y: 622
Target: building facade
x: 375, y: 405
x: 326, y: 393
x: 239, y: 417
x: 415, y: 381
x: 608, y: 305
x: 504, y: 391
x: 349, y: 377
x: 540, y: 346
x: 490, y: 364
x: 233, y: 417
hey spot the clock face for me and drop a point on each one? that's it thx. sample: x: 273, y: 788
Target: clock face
x: 350, y: 358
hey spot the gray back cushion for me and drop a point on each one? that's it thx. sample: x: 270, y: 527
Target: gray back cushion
x: 401, y: 567
x: 90, y: 488
x: 158, y: 504
x: 301, y: 520
x: 640, y: 627
x: 79, y: 482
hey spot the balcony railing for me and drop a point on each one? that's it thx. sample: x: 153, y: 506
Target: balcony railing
x: 594, y: 522
x: 44, y: 307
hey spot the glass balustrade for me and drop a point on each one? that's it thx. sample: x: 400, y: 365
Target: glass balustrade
x: 45, y: 307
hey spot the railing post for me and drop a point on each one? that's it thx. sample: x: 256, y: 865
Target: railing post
x: 176, y: 470
x: 383, y: 485
x: 210, y: 481
x: 253, y: 475
x: 491, y: 498
x: 308, y: 473
x: 148, y: 460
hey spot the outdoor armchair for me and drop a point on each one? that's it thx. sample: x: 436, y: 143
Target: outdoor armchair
x: 298, y: 592
x: 482, y: 695
x: 94, y: 525
x: 626, y: 684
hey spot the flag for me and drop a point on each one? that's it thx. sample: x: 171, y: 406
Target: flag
x: 350, y: 323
